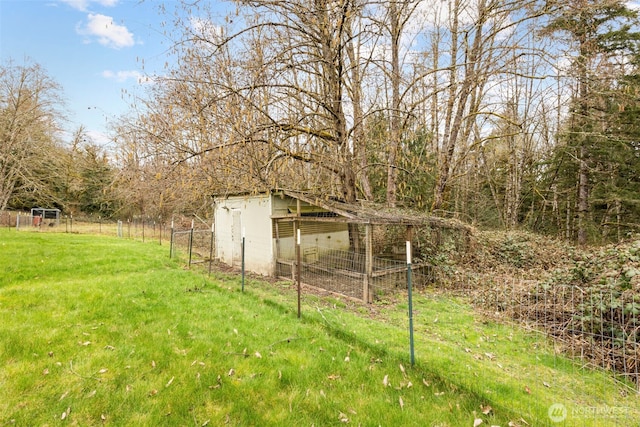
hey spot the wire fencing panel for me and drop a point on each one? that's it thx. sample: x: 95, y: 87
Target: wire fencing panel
x: 334, y: 257
x: 144, y: 229
x: 598, y: 326
x: 192, y: 246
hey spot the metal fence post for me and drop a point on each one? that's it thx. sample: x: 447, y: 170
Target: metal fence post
x: 190, y: 243
x: 243, y: 259
x: 171, y: 242
x: 211, y: 247
x: 409, y: 286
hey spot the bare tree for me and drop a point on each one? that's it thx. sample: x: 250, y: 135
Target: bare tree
x: 29, y: 123
x: 283, y: 76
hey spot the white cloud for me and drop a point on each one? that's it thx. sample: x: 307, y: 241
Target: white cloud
x: 107, y: 32
x: 99, y: 137
x: 125, y: 75
x: 83, y: 5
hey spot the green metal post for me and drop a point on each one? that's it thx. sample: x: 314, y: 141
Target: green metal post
x: 210, y: 247
x: 171, y: 242
x: 243, y: 262
x: 410, y: 302
x: 191, y: 243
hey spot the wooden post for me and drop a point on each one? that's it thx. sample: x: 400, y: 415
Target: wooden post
x: 368, y: 265
x: 298, y: 263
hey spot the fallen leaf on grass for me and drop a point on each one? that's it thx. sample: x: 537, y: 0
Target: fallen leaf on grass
x: 527, y: 390
x: 103, y: 371
x: 401, y: 402
x: 153, y: 363
x: 546, y: 384
x: 65, y: 414
x: 426, y: 383
x: 109, y: 347
x: 258, y: 355
x: 86, y: 343
x: 92, y: 393
x: 333, y: 376
x: 477, y: 422
x: 402, y: 368
x: 231, y: 372
x: 103, y: 417
x: 169, y: 383
x: 45, y: 371
x: 153, y: 392
x: 486, y: 409
x: 64, y: 395
x: 385, y: 381
x: 343, y: 418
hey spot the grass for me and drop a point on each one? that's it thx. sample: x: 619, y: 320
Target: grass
x: 106, y: 331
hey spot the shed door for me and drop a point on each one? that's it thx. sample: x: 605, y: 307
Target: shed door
x: 236, y: 238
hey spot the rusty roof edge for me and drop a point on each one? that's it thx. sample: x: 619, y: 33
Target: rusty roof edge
x: 375, y: 213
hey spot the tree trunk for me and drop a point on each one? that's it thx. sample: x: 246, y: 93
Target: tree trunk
x: 394, y: 143
x: 583, y: 195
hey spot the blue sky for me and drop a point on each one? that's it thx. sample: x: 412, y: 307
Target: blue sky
x: 93, y: 48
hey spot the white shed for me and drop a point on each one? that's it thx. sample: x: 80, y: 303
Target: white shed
x: 253, y: 216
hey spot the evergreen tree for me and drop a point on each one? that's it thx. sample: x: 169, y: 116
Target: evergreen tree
x: 602, y: 35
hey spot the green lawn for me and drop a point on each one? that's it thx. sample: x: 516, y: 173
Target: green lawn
x: 106, y: 331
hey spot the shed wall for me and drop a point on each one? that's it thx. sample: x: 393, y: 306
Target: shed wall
x: 251, y: 214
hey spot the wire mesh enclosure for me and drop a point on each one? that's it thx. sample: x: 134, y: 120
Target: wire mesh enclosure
x: 355, y: 249
x: 362, y: 261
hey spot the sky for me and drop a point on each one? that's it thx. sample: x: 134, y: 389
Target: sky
x: 95, y: 49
